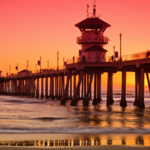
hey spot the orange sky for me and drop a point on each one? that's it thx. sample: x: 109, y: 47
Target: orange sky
x: 33, y: 28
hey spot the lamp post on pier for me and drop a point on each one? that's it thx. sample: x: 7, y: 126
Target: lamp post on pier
x: 35, y: 67
x: 17, y: 67
x: 57, y: 60
x: 63, y: 62
x: 47, y: 65
x: 9, y: 70
x: 40, y: 64
x: 120, y: 44
x: 114, y: 50
x: 27, y: 64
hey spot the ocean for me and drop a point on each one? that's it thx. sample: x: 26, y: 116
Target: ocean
x: 20, y: 114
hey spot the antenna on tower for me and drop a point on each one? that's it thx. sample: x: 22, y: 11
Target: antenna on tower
x: 87, y: 11
x: 94, y: 10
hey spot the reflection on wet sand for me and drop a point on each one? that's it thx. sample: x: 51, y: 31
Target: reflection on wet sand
x: 98, y: 116
x: 84, y: 142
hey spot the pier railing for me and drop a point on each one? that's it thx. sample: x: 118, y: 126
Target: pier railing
x: 135, y: 56
x: 33, y: 71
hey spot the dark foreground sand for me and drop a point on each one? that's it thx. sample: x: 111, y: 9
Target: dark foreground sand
x: 106, y: 147
x: 74, y: 141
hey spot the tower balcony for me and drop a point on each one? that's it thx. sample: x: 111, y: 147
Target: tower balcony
x: 91, y: 39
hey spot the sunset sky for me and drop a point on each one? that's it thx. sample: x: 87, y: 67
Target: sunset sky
x: 33, y: 28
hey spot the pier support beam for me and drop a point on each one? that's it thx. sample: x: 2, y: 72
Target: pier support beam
x: 37, y: 88
x: 22, y: 86
x: 75, y: 100
x: 82, y: 89
x: 46, y: 87
x: 148, y: 81
x: 16, y: 87
x: 99, y: 87
x: 0, y: 87
x: 123, y: 102
x: 19, y: 86
x: 90, y: 93
x: 84, y: 84
x: 110, y: 100
x: 141, y: 97
x: 5, y: 87
x: 65, y: 96
x: 137, y: 87
x: 87, y: 98
x: 32, y: 87
x: 98, y: 99
x: 78, y: 96
x: 71, y: 87
x: 56, y: 87
x: 87, y: 83
x: 1, y: 84
x: 74, y: 84
x: 52, y: 87
x: 60, y: 87
x: 95, y: 89
x: 28, y: 86
x: 42, y: 96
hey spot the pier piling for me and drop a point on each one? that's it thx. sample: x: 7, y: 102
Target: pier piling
x: 123, y: 102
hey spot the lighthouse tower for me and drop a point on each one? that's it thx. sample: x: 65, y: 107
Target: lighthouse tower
x: 92, y: 39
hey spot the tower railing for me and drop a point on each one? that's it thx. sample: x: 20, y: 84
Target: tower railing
x: 93, y: 38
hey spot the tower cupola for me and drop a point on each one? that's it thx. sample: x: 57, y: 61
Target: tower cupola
x: 92, y: 38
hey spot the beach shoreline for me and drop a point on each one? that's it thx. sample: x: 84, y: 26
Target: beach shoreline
x: 104, y: 147
x: 73, y: 141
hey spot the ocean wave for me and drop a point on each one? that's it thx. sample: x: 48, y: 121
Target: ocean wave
x: 49, y: 118
x: 78, y: 130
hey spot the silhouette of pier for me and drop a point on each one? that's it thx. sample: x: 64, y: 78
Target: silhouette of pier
x: 73, y: 82
x: 62, y: 88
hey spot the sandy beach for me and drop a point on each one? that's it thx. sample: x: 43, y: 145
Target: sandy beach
x: 116, y: 147
x: 74, y: 141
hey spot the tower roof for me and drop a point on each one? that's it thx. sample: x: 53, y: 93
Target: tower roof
x: 95, y: 48
x: 93, y: 23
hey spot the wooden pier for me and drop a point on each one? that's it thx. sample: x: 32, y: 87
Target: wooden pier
x: 61, y: 87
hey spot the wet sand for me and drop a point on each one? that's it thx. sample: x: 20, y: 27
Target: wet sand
x: 116, y: 147
x: 74, y: 141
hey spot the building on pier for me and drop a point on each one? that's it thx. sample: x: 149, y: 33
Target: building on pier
x: 93, y: 39
x: 24, y: 72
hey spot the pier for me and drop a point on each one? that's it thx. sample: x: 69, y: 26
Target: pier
x: 82, y: 74
x: 73, y: 82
